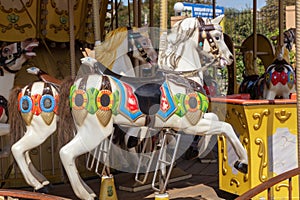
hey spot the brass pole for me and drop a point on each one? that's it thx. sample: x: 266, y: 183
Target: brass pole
x: 163, y: 15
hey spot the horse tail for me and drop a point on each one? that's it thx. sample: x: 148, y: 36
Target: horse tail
x: 66, y: 125
x: 15, y: 120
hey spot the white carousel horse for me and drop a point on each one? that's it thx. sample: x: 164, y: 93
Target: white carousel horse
x: 12, y: 57
x: 33, y: 111
x: 168, y: 100
x: 120, y: 45
x: 278, y: 81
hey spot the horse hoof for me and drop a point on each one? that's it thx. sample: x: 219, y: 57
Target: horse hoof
x: 242, y: 167
x: 44, y: 189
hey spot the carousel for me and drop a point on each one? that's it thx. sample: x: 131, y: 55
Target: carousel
x: 135, y: 105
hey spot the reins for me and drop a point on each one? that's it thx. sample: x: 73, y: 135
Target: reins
x: 134, y: 36
x: 189, y: 73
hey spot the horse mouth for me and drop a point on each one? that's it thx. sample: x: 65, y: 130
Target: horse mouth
x: 29, y: 49
x: 224, y: 62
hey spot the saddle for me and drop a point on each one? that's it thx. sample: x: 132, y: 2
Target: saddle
x: 146, y: 89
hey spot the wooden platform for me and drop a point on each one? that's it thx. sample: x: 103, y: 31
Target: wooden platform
x: 202, y: 184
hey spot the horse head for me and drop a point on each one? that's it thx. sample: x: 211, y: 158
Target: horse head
x: 142, y: 48
x: 211, y: 40
x: 14, y: 55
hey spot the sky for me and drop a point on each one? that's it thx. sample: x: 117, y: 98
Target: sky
x: 240, y: 4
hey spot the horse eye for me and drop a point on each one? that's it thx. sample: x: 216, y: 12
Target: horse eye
x: 217, y: 38
x: 6, y: 50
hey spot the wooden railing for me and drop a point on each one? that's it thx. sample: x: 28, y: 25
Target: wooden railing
x: 270, y: 183
x: 5, y: 193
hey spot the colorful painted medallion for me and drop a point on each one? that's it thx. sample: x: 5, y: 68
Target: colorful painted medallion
x: 128, y: 102
x: 167, y: 105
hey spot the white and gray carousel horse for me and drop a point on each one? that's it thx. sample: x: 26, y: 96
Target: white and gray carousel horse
x: 33, y: 108
x: 167, y: 101
x: 12, y: 57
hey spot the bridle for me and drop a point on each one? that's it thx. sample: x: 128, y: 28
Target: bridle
x: 204, y: 34
x: 132, y: 36
x: 15, y: 56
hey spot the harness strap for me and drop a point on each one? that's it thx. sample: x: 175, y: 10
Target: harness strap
x: 16, y: 56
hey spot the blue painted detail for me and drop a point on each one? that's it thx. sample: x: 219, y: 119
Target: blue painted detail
x: 44, y: 97
x: 123, y: 109
x: 29, y: 101
x: 164, y: 115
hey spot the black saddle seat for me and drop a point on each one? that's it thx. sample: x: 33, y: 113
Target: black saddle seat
x: 146, y: 89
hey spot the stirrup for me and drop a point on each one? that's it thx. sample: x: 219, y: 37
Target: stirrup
x: 162, y: 161
x: 145, y: 157
x: 101, y: 151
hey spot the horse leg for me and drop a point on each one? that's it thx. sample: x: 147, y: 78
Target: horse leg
x: 212, y: 127
x: 207, y: 142
x: 84, y: 141
x: 29, y: 141
x: 40, y: 177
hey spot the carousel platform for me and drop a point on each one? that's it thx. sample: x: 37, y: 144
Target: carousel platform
x: 193, y: 180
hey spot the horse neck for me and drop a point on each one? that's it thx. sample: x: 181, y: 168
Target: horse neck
x: 189, y: 61
x: 6, y: 80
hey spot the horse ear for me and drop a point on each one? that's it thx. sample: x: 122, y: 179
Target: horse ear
x: 217, y: 20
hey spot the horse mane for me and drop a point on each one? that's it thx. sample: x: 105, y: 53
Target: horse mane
x: 15, y: 120
x: 66, y: 126
x: 180, y: 33
x: 184, y: 29
x: 282, y: 53
x: 107, y: 51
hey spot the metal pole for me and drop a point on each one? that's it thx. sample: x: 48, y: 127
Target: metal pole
x: 151, y: 14
x: 254, y: 34
x: 135, y: 13
x: 298, y: 79
x: 280, y: 3
x: 214, y: 8
x: 72, y: 38
x: 96, y: 21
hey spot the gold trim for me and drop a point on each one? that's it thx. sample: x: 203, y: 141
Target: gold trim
x: 261, y: 154
x: 260, y: 116
x: 245, y: 143
x: 277, y: 187
x: 223, y: 152
x: 283, y: 115
x: 234, y: 181
x: 240, y: 118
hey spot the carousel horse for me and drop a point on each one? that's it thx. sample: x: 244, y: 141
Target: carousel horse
x: 172, y: 99
x: 12, y: 57
x: 278, y: 81
x: 33, y: 109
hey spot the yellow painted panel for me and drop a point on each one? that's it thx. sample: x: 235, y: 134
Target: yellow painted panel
x: 269, y: 133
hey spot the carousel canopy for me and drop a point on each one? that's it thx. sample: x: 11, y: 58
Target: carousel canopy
x: 47, y: 19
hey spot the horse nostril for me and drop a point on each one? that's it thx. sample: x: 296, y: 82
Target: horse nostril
x: 231, y: 57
